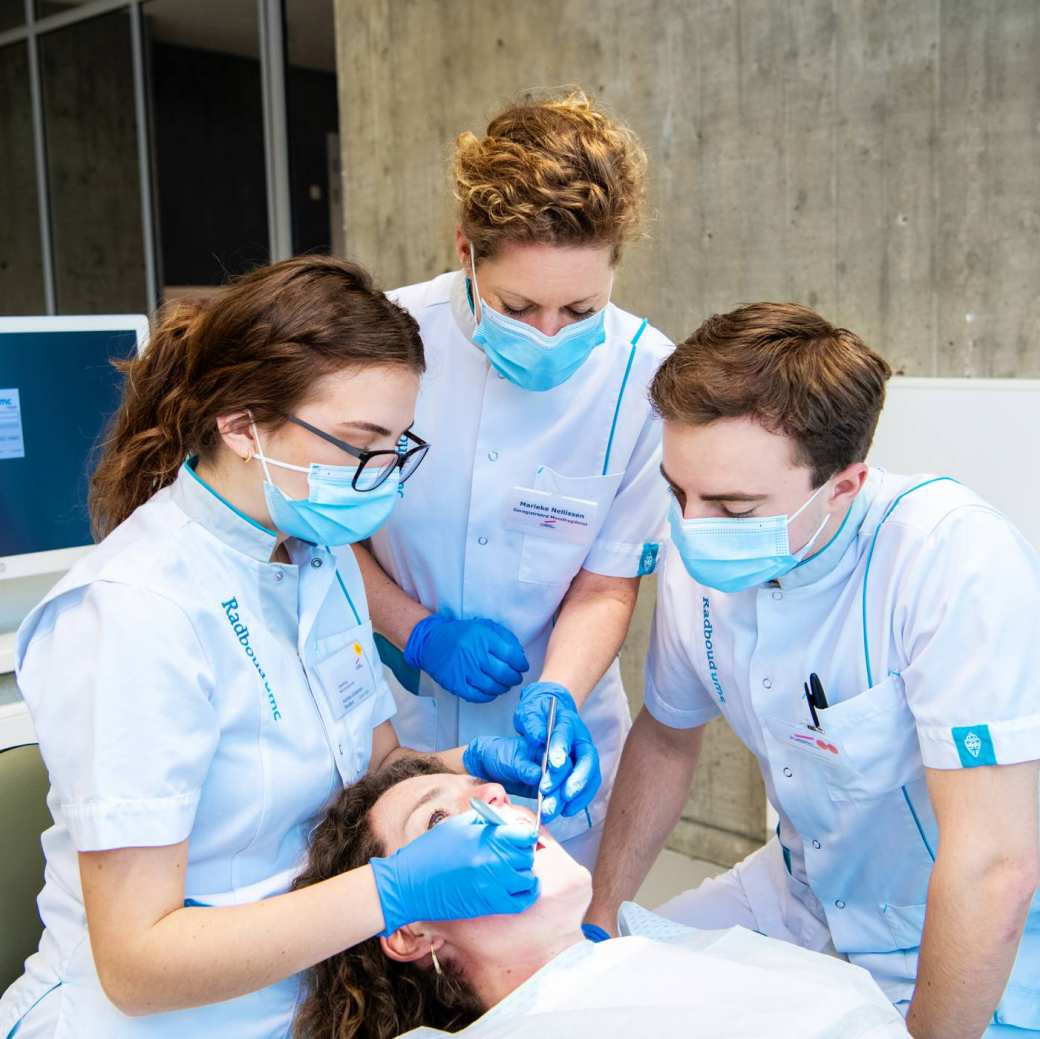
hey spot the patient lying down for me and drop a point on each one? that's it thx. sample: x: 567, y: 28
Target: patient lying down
x: 534, y: 974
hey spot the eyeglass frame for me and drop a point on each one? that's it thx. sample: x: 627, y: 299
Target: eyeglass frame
x: 364, y: 456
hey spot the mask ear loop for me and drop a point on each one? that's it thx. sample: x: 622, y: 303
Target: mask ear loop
x: 436, y: 962
x: 808, y: 501
x: 264, y: 459
x: 260, y: 452
x: 804, y: 550
x: 476, y: 287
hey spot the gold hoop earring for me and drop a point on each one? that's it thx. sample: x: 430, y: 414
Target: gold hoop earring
x: 436, y: 962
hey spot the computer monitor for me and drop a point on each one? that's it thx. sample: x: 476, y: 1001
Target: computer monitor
x: 58, y: 389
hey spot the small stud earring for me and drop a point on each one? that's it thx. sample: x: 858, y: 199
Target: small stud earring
x: 436, y: 962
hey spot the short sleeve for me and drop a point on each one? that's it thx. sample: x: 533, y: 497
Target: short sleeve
x: 971, y: 634
x: 674, y: 693
x: 120, y: 693
x: 629, y: 541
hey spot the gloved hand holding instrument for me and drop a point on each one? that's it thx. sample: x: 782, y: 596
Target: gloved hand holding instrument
x: 573, y: 774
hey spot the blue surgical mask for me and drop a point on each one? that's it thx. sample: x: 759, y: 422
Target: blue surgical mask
x: 333, y: 513
x: 529, y: 358
x: 731, y: 554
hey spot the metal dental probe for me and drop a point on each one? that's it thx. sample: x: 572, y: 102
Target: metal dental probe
x: 486, y: 812
x: 545, y: 764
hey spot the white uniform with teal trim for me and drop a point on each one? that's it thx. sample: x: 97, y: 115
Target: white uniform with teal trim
x: 948, y: 610
x: 594, y: 438
x: 183, y: 686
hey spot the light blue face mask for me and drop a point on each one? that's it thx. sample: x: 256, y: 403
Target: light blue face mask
x: 731, y: 554
x: 333, y: 513
x: 527, y: 357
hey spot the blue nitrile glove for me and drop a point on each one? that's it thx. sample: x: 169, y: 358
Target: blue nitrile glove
x: 574, y: 774
x: 594, y: 933
x: 509, y: 760
x: 476, y: 659
x: 460, y: 869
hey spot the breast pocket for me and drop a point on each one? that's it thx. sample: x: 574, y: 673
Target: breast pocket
x: 348, y: 677
x: 550, y: 555
x: 878, y: 738
x: 346, y: 672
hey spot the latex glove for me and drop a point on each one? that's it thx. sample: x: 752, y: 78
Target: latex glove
x: 475, y: 659
x: 508, y: 760
x: 595, y: 933
x: 460, y: 869
x: 574, y: 773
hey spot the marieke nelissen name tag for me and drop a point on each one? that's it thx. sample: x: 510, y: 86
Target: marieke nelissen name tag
x: 548, y: 515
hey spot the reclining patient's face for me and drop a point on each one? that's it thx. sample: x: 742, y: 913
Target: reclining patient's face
x: 416, y: 805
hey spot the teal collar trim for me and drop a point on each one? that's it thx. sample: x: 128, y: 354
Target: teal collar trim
x: 460, y: 298
x: 621, y: 394
x: 226, y: 522
x: 821, y: 563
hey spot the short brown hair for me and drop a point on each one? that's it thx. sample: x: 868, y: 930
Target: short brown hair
x: 557, y: 171
x: 787, y: 368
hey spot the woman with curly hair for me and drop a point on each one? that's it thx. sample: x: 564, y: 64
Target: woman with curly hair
x: 508, y: 575
x: 533, y: 974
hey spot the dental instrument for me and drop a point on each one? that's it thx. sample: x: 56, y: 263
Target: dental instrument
x: 486, y: 812
x: 545, y: 763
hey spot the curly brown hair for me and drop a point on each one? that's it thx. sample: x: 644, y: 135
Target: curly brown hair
x: 258, y: 344
x: 556, y: 171
x: 361, y: 993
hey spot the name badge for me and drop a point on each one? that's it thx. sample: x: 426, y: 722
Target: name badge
x: 347, y: 680
x: 553, y: 516
x: 812, y: 743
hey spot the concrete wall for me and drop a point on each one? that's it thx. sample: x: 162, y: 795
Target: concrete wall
x: 21, y: 271
x: 88, y: 101
x: 877, y: 160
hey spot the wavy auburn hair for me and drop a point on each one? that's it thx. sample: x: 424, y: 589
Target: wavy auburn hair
x: 361, y: 993
x: 258, y: 344
x: 556, y: 171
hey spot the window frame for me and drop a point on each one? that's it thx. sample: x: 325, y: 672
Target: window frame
x: 271, y: 22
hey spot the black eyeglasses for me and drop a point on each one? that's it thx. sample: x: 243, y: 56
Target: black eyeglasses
x: 374, y: 467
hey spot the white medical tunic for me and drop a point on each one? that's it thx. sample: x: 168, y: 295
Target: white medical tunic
x: 925, y: 632
x: 183, y: 686
x: 456, y: 541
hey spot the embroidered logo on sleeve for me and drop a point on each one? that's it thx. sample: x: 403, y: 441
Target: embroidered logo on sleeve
x: 648, y: 560
x: 974, y: 745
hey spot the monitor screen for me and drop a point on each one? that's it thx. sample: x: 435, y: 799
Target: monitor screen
x: 58, y: 389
